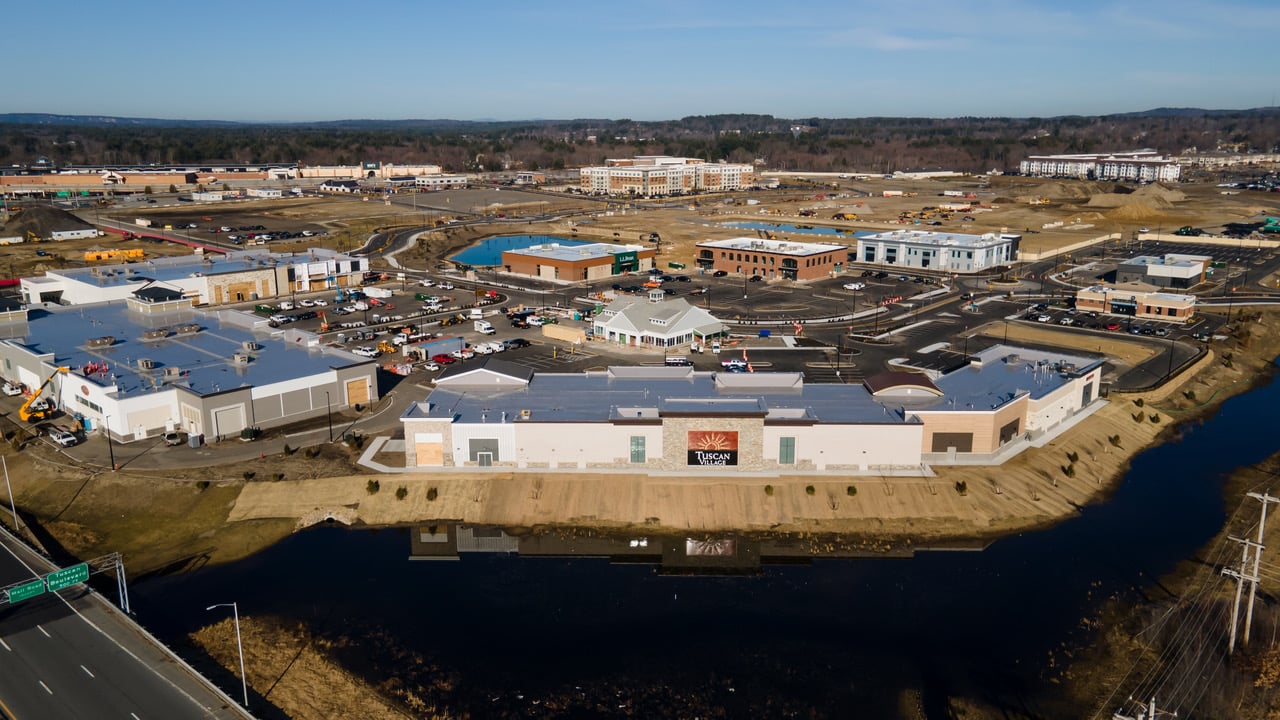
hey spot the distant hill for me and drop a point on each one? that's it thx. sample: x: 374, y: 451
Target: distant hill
x: 444, y: 124
x: 866, y: 144
x: 104, y: 121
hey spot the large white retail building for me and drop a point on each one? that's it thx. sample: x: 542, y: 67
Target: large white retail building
x: 206, y: 279
x: 499, y: 414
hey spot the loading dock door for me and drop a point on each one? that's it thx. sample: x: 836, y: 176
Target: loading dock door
x: 358, y: 391
x: 228, y: 422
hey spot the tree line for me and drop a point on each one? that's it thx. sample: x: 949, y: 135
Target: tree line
x: 877, y: 145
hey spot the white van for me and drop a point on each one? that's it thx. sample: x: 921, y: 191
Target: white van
x: 715, y: 347
x: 477, y: 313
x: 285, y: 305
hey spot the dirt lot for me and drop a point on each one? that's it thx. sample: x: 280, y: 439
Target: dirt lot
x: 1086, y: 210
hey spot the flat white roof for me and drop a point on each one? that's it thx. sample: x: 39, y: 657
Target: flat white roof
x: 940, y: 239
x: 777, y: 247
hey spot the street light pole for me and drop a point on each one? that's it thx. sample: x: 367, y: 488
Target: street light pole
x: 111, y: 450
x: 329, y: 411
x: 235, y: 613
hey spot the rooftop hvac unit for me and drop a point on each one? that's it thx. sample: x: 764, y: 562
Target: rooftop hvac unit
x: 524, y: 414
x: 250, y: 346
x: 1012, y: 358
x: 159, y: 334
x: 171, y: 372
x: 241, y: 358
x: 187, y: 329
x: 98, y: 342
x: 146, y: 363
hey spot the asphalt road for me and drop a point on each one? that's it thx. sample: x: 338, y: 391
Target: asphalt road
x: 68, y: 655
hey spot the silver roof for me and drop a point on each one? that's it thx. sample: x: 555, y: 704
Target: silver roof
x: 1000, y: 374
x: 203, y: 358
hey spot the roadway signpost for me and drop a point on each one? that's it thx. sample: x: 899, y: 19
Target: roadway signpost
x: 66, y: 577
x: 26, y: 590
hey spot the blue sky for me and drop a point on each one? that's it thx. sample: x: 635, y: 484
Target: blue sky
x: 279, y: 60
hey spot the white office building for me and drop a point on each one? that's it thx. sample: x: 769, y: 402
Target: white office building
x: 938, y: 251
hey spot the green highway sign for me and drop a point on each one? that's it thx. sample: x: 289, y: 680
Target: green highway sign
x: 66, y: 577
x: 26, y: 590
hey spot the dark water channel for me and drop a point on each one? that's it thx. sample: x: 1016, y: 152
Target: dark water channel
x: 813, y: 640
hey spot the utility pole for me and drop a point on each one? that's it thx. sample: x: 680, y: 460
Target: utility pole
x: 1241, y: 577
x: 1263, y: 498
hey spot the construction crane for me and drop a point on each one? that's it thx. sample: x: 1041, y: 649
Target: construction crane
x: 31, y: 410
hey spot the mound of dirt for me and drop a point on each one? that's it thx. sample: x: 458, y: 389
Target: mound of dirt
x: 42, y: 221
x: 1135, y: 212
x: 1070, y: 192
x: 1113, y: 200
x: 1161, y: 191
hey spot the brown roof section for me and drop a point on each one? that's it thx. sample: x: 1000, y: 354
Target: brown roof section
x: 890, y: 380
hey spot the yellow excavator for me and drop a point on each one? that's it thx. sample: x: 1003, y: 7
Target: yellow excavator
x: 33, y: 410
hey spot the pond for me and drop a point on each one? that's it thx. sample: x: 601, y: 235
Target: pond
x: 488, y: 252
x: 811, y: 637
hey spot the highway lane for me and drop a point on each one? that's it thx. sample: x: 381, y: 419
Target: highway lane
x: 57, y: 662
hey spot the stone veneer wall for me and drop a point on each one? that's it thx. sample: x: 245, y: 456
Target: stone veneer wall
x: 675, y: 441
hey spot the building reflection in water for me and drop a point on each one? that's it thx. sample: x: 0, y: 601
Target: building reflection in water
x: 711, y: 554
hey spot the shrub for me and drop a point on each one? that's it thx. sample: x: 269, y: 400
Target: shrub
x: 1069, y: 470
x: 249, y: 475
x: 809, y: 490
x: 1154, y: 417
x: 851, y: 491
x: 1138, y: 402
x: 311, y: 453
x: 768, y: 490
x: 1073, y: 456
x: 432, y: 494
x: 1137, y: 417
x: 288, y: 450
x: 372, y: 487
x: 402, y: 492
x: 277, y: 477
x: 202, y: 485
x: 1114, y: 440
x: 1189, y: 394
x: 962, y: 487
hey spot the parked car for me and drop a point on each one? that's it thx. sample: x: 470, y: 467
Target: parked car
x: 173, y: 438
x: 442, y: 359
x: 12, y: 389
x: 855, y: 286
x: 63, y: 438
x: 516, y: 343
x: 755, y: 278
x: 366, y: 351
x: 720, y: 273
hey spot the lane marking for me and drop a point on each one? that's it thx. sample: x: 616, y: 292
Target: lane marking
x: 6, y: 645
x: 86, y: 671
x: 134, y: 716
x: 46, y: 687
x: 46, y: 632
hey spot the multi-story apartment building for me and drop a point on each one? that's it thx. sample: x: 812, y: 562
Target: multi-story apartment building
x: 1140, y: 165
x: 651, y: 175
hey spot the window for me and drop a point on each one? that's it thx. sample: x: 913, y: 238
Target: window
x: 637, y: 448
x: 787, y: 451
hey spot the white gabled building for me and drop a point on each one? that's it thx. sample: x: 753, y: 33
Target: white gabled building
x: 655, y: 322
